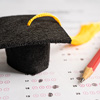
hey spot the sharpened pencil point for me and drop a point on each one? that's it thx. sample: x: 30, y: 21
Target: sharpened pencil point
x: 82, y: 80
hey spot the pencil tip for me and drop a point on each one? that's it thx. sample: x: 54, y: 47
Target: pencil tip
x: 82, y: 80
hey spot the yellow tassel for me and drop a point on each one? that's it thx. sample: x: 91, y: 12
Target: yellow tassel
x: 43, y: 15
x: 86, y: 33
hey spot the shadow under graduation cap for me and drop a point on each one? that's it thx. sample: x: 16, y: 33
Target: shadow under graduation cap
x: 28, y: 48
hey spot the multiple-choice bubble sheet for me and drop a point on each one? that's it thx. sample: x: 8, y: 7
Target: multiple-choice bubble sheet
x: 60, y: 80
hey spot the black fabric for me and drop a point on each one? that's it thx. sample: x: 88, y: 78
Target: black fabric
x: 29, y: 59
x: 15, y: 32
x: 27, y: 47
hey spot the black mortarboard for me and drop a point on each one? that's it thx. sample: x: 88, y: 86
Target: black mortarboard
x: 27, y: 47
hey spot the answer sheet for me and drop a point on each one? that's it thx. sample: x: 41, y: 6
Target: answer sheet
x: 61, y: 81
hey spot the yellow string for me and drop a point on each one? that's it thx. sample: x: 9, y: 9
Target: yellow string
x: 86, y: 33
x: 43, y: 15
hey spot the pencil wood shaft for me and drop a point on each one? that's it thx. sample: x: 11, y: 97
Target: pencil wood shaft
x: 87, y: 72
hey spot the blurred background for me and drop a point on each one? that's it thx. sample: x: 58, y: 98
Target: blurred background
x: 72, y: 13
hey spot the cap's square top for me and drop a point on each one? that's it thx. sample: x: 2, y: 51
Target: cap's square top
x: 14, y: 31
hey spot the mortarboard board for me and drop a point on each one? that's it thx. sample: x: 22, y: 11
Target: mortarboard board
x: 28, y: 46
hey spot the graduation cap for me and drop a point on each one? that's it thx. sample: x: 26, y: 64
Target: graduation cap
x: 27, y: 43
x: 27, y: 47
